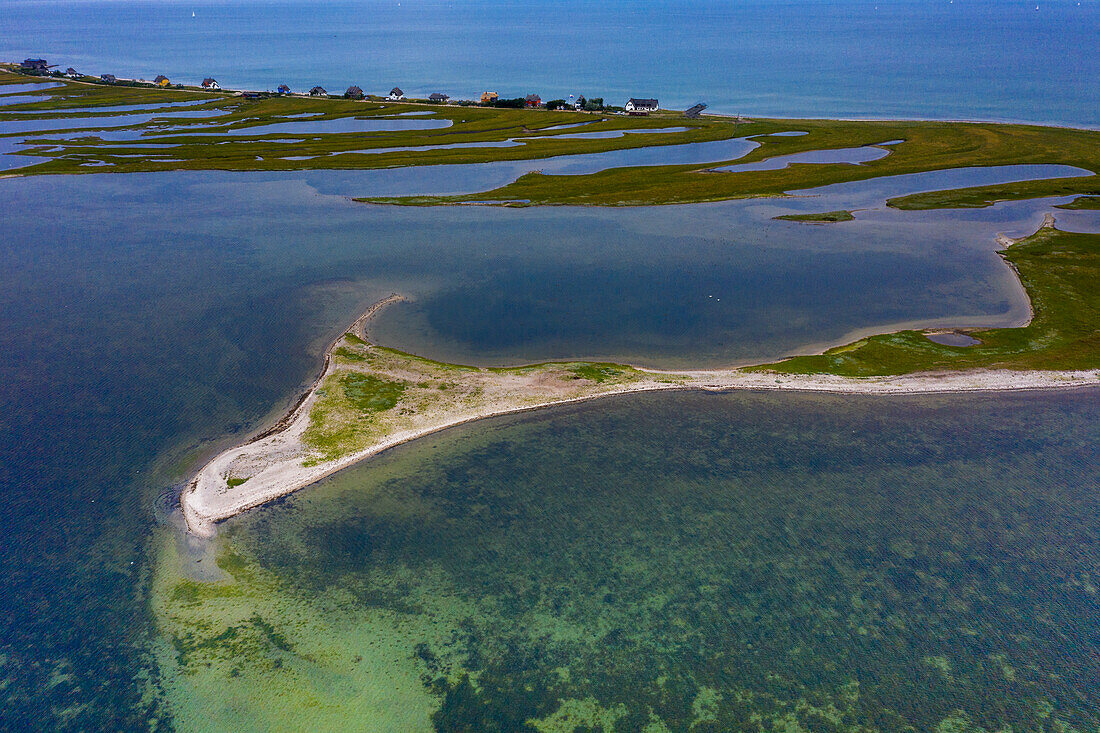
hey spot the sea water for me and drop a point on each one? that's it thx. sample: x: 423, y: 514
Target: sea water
x: 812, y: 561
x: 152, y: 319
x: 988, y: 59
x: 729, y: 562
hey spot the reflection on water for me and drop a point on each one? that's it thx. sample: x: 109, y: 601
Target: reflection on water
x: 738, y: 562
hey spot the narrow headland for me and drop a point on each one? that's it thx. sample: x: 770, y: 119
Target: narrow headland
x: 370, y: 398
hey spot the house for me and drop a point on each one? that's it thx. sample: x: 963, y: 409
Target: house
x: 438, y: 98
x: 71, y: 73
x: 319, y: 92
x: 640, y: 105
x: 532, y: 100
x: 396, y: 95
x: 694, y: 112
x: 354, y: 93
x: 34, y: 66
x: 489, y: 97
x: 209, y: 83
x: 161, y: 81
x: 108, y: 78
x: 283, y: 89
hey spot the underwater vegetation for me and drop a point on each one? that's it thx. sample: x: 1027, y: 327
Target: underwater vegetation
x: 712, y: 562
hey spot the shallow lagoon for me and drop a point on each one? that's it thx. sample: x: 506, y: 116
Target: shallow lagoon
x: 671, y: 286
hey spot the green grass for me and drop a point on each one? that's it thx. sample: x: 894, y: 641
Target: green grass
x: 598, y: 372
x: 1082, y: 202
x: 235, y: 481
x: 269, y: 150
x: 926, y: 146
x: 349, y: 355
x: 368, y: 393
x: 1061, y: 273
x: 825, y: 217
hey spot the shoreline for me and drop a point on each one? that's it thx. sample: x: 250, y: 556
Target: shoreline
x: 202, y: 523
x: 278, y: 450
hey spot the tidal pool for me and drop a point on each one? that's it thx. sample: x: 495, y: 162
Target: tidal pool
x: 850, y: 156
x: 953, y: 339
x: 741, y: 561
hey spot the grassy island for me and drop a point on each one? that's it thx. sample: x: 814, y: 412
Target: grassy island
x: 825, y: 217
x: 223, y: 131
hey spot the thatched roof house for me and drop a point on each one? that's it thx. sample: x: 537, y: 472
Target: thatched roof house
x: 438, y: 97
x: 640, y: 105
x: 354, y: 93
x: 319, y: 92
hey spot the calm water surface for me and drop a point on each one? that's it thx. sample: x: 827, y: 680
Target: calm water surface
x: 150, y: 319
x: 989, y: 59
x: 737, y: 562
x: 706, y: 560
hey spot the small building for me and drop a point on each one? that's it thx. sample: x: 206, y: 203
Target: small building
x: 71, y: 73
x: 318, y: 92
x: 532, y: 100
x: 438, y: 97
x: 694, y: 112
x: 489, y: 97
x: 108, y: 78
x: 34, y: 66
x: 209, y: 83
x: 354, y: 93
x: 640, y: 105
x: 283, y: 89
x: 396, y: 95
x: 162, y: 81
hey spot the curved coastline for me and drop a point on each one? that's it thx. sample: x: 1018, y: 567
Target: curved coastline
x: 280, y: 459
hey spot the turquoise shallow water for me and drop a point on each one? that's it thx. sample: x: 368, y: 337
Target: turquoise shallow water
x: 729, y: 561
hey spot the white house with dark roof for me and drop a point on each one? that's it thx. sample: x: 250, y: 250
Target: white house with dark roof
x: 396, y: 95
x: 438, y: 97
x: 640, y: 105
x: 210, y: 83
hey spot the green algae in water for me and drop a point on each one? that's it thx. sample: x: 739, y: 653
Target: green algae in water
x: 704, y: 562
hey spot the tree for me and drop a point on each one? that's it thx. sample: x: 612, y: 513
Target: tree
x: 557, y: 104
